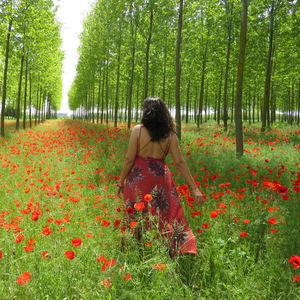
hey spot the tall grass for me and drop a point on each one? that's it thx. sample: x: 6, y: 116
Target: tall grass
x: 63, y: 174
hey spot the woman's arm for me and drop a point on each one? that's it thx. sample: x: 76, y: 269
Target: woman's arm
x: 129, y: 158
x: 184, y: 169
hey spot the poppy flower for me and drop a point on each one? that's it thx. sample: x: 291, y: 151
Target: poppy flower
x: 296, y: 278
x: 160, y: 267
x: 282, y: 190
x: 127, y: 276
x: 76, y: 242
x: 148, y: 197
x: 272, y: 221
x: 139, y: 206
x: 106, y: 283
x: 246, y: 221
x: 45, y: 254
x: 19, y: 238
x: 70, y: 254
x: 243, y: 234
x: 0, y: 254
x: 205, y: 225
x: 148, y: 244
x: 46, y: 230
x: 213, y: 214
x: 273, y: 230
x: 24, y: 278
x: 295, y: 261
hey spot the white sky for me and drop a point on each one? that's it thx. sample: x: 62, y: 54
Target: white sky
x: 71, y: 14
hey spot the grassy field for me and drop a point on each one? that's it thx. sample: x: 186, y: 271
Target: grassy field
x: 61, y: 220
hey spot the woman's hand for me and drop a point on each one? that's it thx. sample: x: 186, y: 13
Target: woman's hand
x: 199, y: 197
x: 120, y: 189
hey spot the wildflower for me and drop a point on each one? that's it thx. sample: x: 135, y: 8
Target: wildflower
x: 205, y: 225
x: 246, y: 221
x: 296, y: 278
x: 106, y: 283
x: 24, y: 278
x: 19, y: 238
x: 76, y: 242
x: 127, y: 276
x: 46, y: 230
x: 295, y: 261
x: 160, y: 267
x: 70, y: 254
x: 243, y: 234
x: 272, y: 221
x: 213, y: 214
x: 45, y: 254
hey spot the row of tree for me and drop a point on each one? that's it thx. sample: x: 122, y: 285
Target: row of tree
x: 187, y: 53
x: 31, y: 60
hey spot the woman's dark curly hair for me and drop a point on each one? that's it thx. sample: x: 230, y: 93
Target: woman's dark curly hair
x: 157, y: 119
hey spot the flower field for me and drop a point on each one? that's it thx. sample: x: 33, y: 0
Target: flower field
x: 61, y: 222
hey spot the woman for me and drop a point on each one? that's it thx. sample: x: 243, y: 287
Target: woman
x: 146, y: 173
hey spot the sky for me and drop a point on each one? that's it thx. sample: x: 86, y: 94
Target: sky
x: 71, y: 14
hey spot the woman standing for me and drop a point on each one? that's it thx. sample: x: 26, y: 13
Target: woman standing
x: 146, y: 173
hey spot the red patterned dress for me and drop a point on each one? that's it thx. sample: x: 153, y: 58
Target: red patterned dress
x: 152, y: 176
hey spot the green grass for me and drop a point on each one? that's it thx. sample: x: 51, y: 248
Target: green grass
x: 71, y: 169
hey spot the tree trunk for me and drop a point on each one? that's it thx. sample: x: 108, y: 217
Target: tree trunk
x: 98, y: 97
x: 19, y: 93
x: 30, y: 90
x: 239, y: 82
x: 106, y: 95
x: 133, y: 37
x: 25, y: 95
x: 225, y: 117
x: 102, y: 96
x: 117, y: 86
x: 187, y: 102
x: 165, y: 71
x: 147, y: 55
x: 137, y: 99
x: 253, y: 105
x: 178, y: 71
x: 268, y: 72
x: 232, y: 100
x: 5, y: 77
x: 219, y: 98
x: 206, y: 100
x: 249, y: 105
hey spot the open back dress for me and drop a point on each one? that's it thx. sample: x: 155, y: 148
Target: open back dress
x: 150, y: 175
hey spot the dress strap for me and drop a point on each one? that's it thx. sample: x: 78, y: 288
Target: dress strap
x: 165, y: 152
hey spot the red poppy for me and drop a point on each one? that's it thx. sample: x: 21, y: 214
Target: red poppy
x: 19, y: 238
x: 24, y: 278
x: 127, y: 276
x: 272, y: 221
x: 205, y: 225
x: 235, y: 219
x: 282, y: 190
x: 106, y: 283
x: 0, y: 254
x: 296, y: 278
x: 148, y: 244
x: 148, y: 197
x: 273, y: 230
x: 160, y: 267
x: 295, y: 261
x: 46, y: 230
x: 213, y: 214
x: 70, y: 254
x: 139, y: 206
x: 76, y: 242
x: 243, y: 234
x: 45, y: 254
x: 246, y: 221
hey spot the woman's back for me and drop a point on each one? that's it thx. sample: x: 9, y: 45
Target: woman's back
x: 147, y: 148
